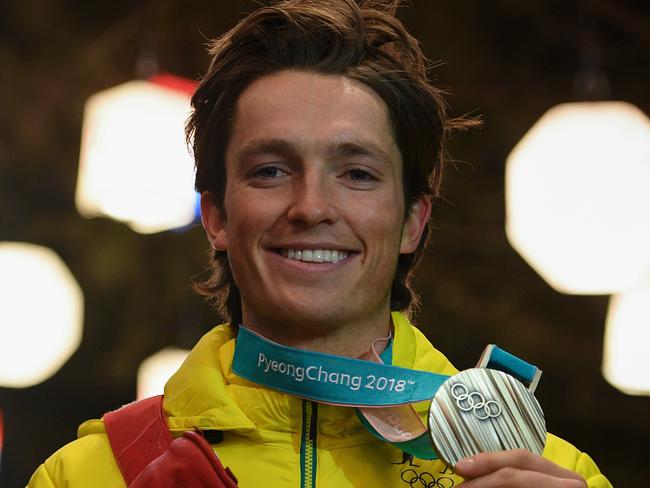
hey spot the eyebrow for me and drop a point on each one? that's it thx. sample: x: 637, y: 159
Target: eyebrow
x: 342, y: 148
x: 257, y: 146
x: 361, y: 148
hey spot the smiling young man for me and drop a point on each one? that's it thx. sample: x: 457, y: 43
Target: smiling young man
x: 318, y: 143
x: 313, y: 216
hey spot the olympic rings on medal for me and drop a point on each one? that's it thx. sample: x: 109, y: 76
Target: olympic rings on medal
x: 475, y: 402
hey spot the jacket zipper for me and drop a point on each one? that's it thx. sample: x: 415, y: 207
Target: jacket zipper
x: 308, y: 453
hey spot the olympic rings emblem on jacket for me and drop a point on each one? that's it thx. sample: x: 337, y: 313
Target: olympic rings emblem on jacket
x: 425, y: 480
x: 474, y: 401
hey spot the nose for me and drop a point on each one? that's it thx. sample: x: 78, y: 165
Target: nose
x: 312, y: 201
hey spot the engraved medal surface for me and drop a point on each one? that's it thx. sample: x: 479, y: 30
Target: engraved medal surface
x: 481, y: 410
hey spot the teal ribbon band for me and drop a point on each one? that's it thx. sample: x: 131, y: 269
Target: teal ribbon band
x: 508, y: 363
x: 327, y: 378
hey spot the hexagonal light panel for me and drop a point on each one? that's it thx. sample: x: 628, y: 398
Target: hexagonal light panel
x: 626, y: 363
x: 578, y: 198
x: 41, y: 317
x: 134, y: 165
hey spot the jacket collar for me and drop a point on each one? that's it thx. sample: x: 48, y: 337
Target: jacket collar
x: 205, y: 394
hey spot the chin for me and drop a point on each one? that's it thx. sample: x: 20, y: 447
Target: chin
x: 314, y: 317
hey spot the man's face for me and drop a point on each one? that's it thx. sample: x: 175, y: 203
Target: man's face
x: 313, y: 217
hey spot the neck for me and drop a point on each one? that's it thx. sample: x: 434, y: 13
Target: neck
x: 341, y: 338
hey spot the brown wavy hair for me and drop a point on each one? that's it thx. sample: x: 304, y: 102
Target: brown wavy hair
x: 361, y: 40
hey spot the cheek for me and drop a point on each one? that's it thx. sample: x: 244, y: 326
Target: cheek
x: 381, y: 226
x: 385, y: 218
x: 246, y: 212
x: 245, y: 229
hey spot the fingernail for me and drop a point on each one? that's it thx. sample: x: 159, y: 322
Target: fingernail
x: 465, y: 464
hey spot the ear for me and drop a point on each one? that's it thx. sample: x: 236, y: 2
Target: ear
x: 214, y: 222
x: 414, y: 225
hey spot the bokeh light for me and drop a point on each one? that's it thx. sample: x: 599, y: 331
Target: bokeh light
x: 626, y: 362
x: 135, y: 166
x: 577, y: 197
x: 157, y: 369
x: 41, y: 317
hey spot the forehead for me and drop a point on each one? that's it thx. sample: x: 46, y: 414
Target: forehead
x: 312, y: 111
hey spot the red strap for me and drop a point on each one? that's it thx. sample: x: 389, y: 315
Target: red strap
x: 149, y: 457
x: 138, y: 434
x: 189, y: 462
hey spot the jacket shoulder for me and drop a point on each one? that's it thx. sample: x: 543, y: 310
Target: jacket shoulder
x: 568, y: 456
x: 87, y: 461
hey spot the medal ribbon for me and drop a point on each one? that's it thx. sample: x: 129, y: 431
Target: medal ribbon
x: 327, y: 378
x: 382, y: 393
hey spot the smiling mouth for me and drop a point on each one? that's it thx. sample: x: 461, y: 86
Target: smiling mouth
x: 314, y: 255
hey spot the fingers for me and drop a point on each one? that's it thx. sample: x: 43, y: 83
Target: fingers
x: 513, y: 465
x: 513, y: 478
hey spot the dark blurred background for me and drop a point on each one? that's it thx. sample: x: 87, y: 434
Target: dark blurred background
x: 506, y: 60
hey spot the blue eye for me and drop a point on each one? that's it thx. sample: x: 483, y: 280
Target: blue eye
x: 270, y: 172
x: 360, y: 175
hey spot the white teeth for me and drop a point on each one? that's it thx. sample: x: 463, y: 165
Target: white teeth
x: 315, y: 255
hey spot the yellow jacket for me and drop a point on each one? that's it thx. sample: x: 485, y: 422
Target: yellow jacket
x: 275, y: 440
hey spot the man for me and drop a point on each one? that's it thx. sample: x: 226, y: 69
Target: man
x: 318, y: 143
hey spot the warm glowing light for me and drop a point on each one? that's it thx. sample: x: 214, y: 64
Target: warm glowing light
x: 41, y: 316
x: 626, y: 362
x: 134, y: 164
x: 577, y: 197
x: 157, y: 369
